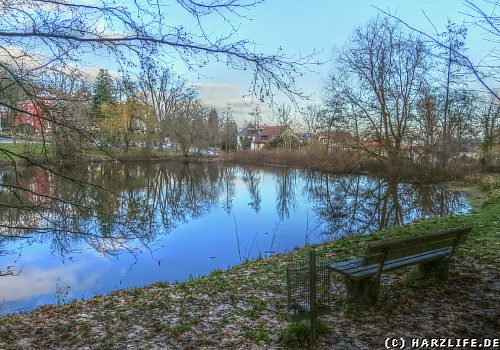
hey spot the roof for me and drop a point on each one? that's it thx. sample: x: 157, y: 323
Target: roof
x: 249, y: 130
x: 371, y: 144
x: 269, y: 133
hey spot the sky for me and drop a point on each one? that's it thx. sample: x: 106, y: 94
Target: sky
x: 302, y: 27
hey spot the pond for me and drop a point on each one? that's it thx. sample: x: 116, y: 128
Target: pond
x: 90, y: 229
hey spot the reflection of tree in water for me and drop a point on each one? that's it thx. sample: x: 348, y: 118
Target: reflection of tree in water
x: 286, y: 198
x: 226, y: 183
x: 252, y: 178
x: 125, y: 208
x: 360, y: 204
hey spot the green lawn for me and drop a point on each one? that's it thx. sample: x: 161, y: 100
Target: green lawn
x: 17, y: 151
x: 133, y: 153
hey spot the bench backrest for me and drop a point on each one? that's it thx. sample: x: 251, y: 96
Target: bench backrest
x: 411, y: 246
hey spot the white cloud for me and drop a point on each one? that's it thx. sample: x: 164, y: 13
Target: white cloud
x: 219, y: 95
x: 32, y: 282
x: 90, y: 73
x: 215, y: 86
x: 16, y: 57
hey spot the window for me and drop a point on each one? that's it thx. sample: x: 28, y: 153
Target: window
x: 265, y: 137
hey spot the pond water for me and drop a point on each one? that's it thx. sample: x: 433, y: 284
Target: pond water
x: 139, y: 223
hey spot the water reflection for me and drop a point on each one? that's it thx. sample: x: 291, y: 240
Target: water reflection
x: 169, y: 220
x: 252, y: 179
x: 285, y: 192
x: 358, y: 204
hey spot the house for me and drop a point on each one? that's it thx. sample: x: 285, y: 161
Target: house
x: 268, y: 134
x: 336, y: 141
x: 256, y: 137
x: 247, y: 136
x: 34, y: 118
x: 303, y: 137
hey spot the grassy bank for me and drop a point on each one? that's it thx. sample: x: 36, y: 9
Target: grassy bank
x: 40, y: 152
x: 245, y: 307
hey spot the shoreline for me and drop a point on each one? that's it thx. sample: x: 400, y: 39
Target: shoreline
x: 414, y: 174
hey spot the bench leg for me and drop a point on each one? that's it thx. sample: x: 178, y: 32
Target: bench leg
x: 437, y: 269
x: 363, y: 292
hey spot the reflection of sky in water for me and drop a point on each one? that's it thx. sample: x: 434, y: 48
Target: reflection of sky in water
x: 322, y: 206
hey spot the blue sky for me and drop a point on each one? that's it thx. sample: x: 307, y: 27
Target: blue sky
x: 301, y: 27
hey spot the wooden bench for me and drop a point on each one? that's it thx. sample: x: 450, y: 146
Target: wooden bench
x: 432, y: 252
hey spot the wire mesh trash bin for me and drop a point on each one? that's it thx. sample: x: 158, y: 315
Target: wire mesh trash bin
x: 308, y: 290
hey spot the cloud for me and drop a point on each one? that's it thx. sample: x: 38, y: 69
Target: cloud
x: 90, y: 73
x: 17, y: 57
x: 32, y: 282
x: 21, y: 60
x: 215, y: 86
x: 219, y: 95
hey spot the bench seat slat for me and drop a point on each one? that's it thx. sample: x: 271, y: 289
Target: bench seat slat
x: 363, y: 271
x: 346, y: 264
x: 355, y: 265
x: 395, y: 264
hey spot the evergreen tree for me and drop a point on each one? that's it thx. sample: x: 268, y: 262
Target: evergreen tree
x: 229, y: 130
x: 213, y: 128
x: 103, y: 90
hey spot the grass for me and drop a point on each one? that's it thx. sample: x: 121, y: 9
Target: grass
x: 260, y: 334
x: 182, y: 326
x: 17, y: 151
x: 85, y: 330
x: 299, y: 333
x: 10, y: 151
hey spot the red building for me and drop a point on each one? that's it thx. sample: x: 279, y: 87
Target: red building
x: 40, y: 187
x: 34, y: 117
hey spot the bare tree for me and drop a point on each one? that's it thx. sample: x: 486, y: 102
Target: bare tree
x: 426, y: 131
x: 283, y: 115
x: 184, y: 125
x: 483, y: 14
x: 490, y: 124
x: 164, y: 91
x: 454, y: 39
x: 311, y: 115
x: 388, y: 65
x: 66, y: 30
x: 256, y: 115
